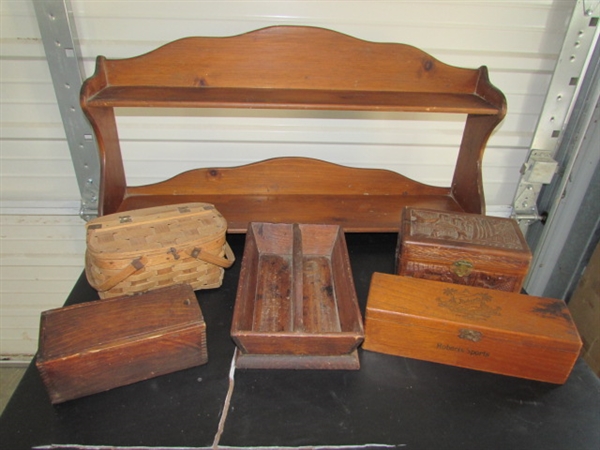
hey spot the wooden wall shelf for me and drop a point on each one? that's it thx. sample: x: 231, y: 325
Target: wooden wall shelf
x: 290, y: 67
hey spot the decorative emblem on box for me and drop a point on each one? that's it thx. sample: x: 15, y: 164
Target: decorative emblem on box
x: 465, y: 303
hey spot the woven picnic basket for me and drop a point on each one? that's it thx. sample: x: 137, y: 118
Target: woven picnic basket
x: 145, y: 249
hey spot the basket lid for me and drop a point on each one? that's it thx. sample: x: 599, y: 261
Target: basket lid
x: 156, y: 228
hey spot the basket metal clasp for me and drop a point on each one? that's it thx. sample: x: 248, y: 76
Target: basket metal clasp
x: 173, y: 251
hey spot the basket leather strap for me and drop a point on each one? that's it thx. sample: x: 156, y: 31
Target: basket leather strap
x: 225, y: 262
x: 133, y: 267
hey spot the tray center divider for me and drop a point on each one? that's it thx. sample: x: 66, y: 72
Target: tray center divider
x: 297, y: 294
x: 295, y: 279
x: 296, y: 306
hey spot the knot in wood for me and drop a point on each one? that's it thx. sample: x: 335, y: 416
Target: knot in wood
x: 213, y: 174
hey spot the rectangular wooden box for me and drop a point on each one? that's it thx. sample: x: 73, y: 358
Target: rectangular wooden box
x: 296, y: 304
x: 462, y: 248
x: 96, y: 346
x: 482, y: 329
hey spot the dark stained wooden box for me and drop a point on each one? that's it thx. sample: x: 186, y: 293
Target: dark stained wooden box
x: 296, y: 304
x: 483, y: 329
x: 462, y: 248
x: 96, y: 346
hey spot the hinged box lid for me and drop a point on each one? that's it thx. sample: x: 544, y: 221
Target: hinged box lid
x: 495, y: 313
x: 493, y: 243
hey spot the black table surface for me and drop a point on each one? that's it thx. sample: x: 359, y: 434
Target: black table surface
x: 390, y: 402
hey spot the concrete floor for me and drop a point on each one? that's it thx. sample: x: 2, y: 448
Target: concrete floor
x: 9, y: 379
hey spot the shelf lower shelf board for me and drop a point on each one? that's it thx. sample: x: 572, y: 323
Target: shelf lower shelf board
x: 354, y: 213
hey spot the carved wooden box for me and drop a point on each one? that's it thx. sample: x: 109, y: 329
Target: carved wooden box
x: 462, y: 248
x: 296, y: 304
x: 476, y: 328
x: 96, y: 346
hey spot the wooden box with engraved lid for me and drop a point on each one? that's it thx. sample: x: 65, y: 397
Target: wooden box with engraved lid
x: 462, y: 248
x: 483, y: 329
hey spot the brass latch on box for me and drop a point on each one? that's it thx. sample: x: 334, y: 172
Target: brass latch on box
x: 462, y: 268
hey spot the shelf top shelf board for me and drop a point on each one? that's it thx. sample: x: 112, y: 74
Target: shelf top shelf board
x: 205, y: 97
